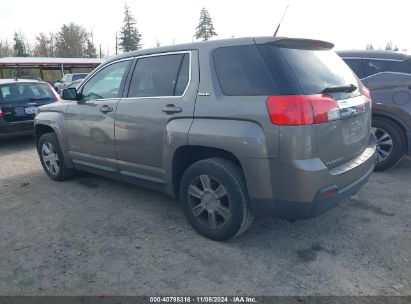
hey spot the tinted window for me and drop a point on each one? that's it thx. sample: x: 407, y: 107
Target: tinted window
x: 24, y: 92
x: 378, y: 66
x: 106, y: 83
x: 318, y: 69
x: 160, y: 76
x: 241, y: 71
x: 356, y: 65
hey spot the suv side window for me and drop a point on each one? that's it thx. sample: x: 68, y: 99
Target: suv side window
x: 373, y: 66
x: 106, y: 83
x: 241, y: 71
x: 163, y: 75
x: 356, y: 65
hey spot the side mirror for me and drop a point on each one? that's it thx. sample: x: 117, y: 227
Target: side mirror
x: 69, y: 93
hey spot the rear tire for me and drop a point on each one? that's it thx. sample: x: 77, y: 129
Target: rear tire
x: 214, y: 197
x: 390, y: 143
x: 52, y: 158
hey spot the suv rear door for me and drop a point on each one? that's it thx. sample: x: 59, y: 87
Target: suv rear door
x: 316, y: 69
x: 388, y: 80
x: 162, y: 91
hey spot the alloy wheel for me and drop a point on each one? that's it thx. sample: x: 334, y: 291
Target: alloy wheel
x: 209, y: 201
x: 50, y: 158
x: 384, y: 144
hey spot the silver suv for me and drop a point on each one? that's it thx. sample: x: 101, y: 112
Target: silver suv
x: 233, y: 128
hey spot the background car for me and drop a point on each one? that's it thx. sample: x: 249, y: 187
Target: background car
x: 19, y: 99
x: 387, y: 75
x: 68, y: 79
x: 75, y: 84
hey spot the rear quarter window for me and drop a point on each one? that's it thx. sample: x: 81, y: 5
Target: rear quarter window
x: 241, y: 70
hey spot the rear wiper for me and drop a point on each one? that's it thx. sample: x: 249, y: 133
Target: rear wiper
x: 45, y: 98
x: 347, y: 89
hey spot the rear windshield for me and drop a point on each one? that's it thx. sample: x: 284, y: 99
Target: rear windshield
x: 24, y: 92
x: 272, y: 70
x: 316, y: 70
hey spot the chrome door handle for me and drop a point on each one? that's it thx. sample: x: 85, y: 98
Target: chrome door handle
x: 105, y: 109
x: 171, y: 109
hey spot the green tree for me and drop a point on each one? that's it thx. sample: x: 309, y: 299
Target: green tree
x: 5, y: 48
x: 71, y: 41
x: 389, y: 46
x: 205, y: 28
x: 130, y: 37
x: 43, y: 46
x: 90, y: 51
x: 20, y: 47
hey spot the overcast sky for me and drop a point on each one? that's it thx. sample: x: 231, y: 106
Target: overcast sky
x: 348, y: 24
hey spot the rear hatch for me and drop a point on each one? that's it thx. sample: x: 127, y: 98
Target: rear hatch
x: 310, y: 69
x: 19, y: 100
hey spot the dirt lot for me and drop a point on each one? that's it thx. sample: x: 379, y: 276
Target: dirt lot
x: 92, y: 235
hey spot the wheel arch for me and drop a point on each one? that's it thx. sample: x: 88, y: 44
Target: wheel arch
x: 401, y: 126
x: 184, y: 156
x: 41, y: 129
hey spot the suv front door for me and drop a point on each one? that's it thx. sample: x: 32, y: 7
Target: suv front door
x: 90, y: 120
x: 162, y: 90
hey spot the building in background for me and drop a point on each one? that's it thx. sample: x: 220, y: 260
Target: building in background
x: 46, y: 68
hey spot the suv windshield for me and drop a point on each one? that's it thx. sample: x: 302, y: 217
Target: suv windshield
x: 24, y: 92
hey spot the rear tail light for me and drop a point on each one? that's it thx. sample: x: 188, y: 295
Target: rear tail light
x: 1, y: 113
x: 302, y: 109
x: 366, y: 92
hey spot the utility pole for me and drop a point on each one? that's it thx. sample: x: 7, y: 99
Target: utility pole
x: 116, y: 44
x: 100, y: 50
x: 91, y: 34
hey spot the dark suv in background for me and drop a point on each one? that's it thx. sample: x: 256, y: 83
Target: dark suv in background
x: 387, y: 75
x: 19, y: 99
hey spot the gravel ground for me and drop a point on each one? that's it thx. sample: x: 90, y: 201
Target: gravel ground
x: 92, y: 235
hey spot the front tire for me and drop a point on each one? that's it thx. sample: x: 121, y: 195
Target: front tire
x: 390, y: 143
x: 215, y: 200
x: 52, y: 158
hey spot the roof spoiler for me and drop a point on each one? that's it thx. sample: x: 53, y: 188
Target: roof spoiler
x: 296, y: 43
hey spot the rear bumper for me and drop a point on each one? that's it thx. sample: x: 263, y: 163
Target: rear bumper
x: 16, y: 128
x: 314, y: 190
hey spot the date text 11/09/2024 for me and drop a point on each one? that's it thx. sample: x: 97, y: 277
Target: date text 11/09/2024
x: 175, y: 299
